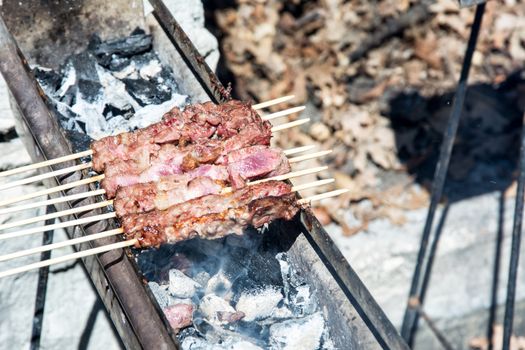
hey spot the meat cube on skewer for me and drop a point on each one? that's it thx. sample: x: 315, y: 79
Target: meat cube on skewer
x: 236, y: 167
x: 213, y: 216
x: 197, y: 123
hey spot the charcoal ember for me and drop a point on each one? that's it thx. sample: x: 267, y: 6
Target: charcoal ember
x: 302, y: 302
x: 48, y: 79
x: 147, y: 92
x: 219, y: 284
x: 263, y: 271
x: 251, y: 329
x: 303, y: 333
x: 79, y: 140
x: 118, y: 63
x: 202, y: 278
x: 230, y: 317
x: 87, y: 81
x: 195, y: 343
x: 259, y: 304
x: 160, y: 293
x: 211, y: 305
x: 89, y: 90
x: 132, y: 45
x: 110, y: 111
x: 179, y: 315
x: 182, y: 286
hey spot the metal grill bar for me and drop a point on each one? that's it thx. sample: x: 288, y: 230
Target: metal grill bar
x: 515, y: 247
x: 189, y: 53
x: 416, y: 289
x: 41, y: 288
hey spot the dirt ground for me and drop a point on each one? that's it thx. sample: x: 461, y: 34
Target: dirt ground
x: 378, y: 80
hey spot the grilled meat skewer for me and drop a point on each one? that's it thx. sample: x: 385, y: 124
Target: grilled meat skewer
x: 196, y: 124
x: 235, y: 167
x: 213, y: 216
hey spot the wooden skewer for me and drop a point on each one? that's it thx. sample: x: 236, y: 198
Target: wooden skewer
x: 317, y: 183
x: 290, y: 124
x: 309, y: 156
x: 105, y: 248
x: 323, y: 196
x: 68, y: 257
x: 46, y: 163
x: 289, y: 175
x: 283, y: 113
x: 56, y: 214
x: 51, y: 190
x: 301, y: 149
x: 273, y: 102
x: 52, y: 201
x: 63, y: 244
x: 46, y: 175
x: 57, y: 226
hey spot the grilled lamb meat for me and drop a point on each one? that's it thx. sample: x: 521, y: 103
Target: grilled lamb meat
x: 197, y: 123
x: 213, y: 216
x: 238, y: 166
x: 161, y: 195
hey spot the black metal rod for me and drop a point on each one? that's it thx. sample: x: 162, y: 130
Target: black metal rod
x: 41, y: 289
x: 409, y: 321
x: 200, y: 69
x: 496, y: 271
x: 515, y: 247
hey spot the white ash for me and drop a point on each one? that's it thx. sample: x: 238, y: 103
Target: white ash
x: 182, y: 286
x: 102, y: 100
x: 220, y: 285
x: 160, y: 293
x: 298, y: 334
x: 211, y: 305
x: 258, y: 305
x: 202, y: 278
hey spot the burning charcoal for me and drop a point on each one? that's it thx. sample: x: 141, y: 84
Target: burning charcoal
x: 129, y: 46
x: 301, y: 301
x: 211, y: 305
x: 259, y: 304
x: 202, y: 278
x: 118, y: 63
x: 230, y: 317
x: 219, y: 285
x: 195, y: 343
x: 48, y: 79
x: 182, y: 286
x: 146, y: 92
x: 111, y: 111
x: 304, y: 333
x: 160, y: 293
x: 179, y: 315
x: 240, y: 345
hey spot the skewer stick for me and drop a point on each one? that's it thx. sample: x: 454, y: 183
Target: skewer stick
x: 56, y: 226
x: 273, y: 102
x: 318, y: 183
x: 68, y: 257
x: 63, y: 244
x: 309, y: 156
x: 323, y: 196
x: 45, y: 176
x: 301, y: 149
x: 46, y: 163
x: 289, y: 175
x: 51, y: 190
x: 56, y: 214
x: 290, y: 124
x: 52, y: 201
x: 283, y: 113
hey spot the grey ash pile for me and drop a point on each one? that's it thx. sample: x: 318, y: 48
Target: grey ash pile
x: 111, y: 87
x: 240, y: 292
